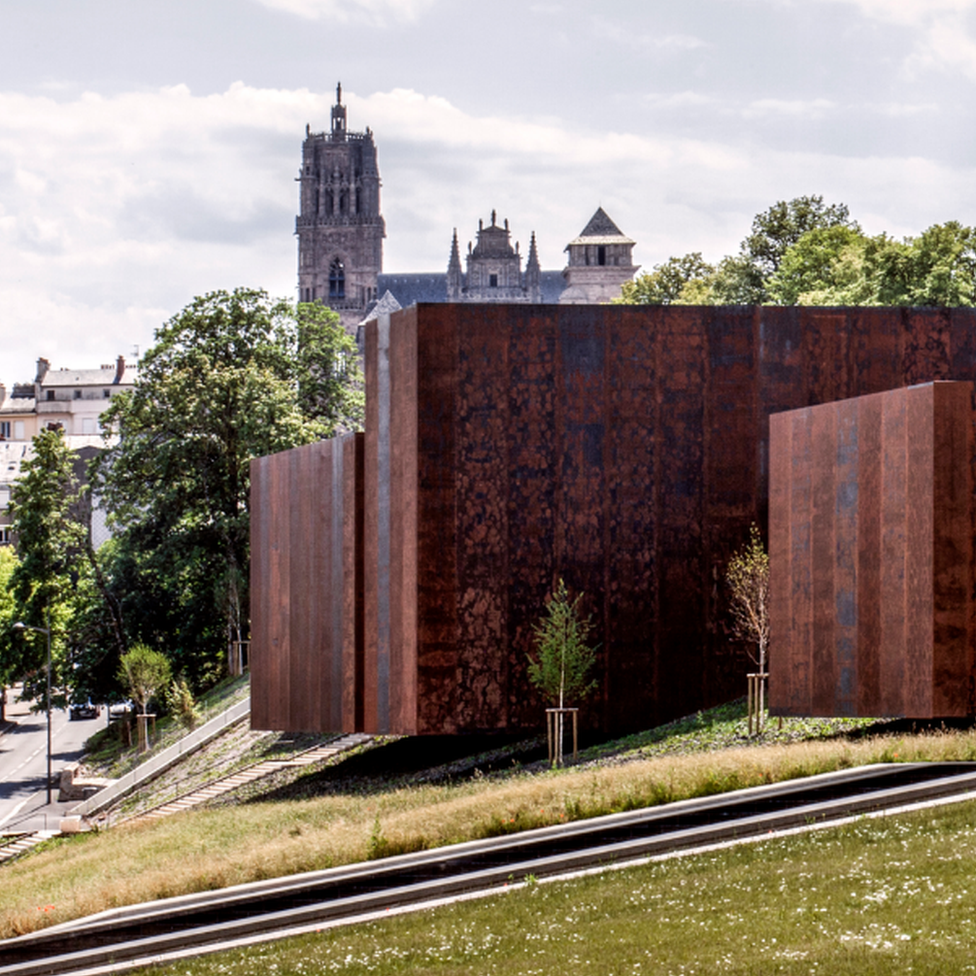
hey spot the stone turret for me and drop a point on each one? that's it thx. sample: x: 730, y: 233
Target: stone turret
x: 600, y: 261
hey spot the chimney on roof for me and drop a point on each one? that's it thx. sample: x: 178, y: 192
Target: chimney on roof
x: 119, y: 369
x: 43, y: 365
x: 3, y: 392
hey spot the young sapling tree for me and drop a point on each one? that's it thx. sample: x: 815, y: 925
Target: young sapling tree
x: 747, y: 577
x: 143, y: 671
x: 564, y: 658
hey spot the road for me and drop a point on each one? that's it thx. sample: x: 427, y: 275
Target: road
x: 23, y: 764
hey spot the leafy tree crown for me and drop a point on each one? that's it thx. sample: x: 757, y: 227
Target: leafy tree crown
x: 563, y: 659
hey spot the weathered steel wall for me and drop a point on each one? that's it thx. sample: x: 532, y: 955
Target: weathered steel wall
x: 306, y: 588
x: 871, y: 548
x: 623, y: 448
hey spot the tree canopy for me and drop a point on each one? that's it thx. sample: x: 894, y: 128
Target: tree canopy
x: 679, y: 281
x: 232, y: 376
x: 806, y: 252
x: 49, y: 538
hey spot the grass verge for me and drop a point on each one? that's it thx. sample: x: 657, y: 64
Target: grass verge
x: 880, y: 896
x: 108, y: 755
x: 210, y: 849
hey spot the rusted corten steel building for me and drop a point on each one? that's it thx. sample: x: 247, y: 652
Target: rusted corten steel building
x: 871, y: 528
x: 307, y: 587
x: 623, y: 448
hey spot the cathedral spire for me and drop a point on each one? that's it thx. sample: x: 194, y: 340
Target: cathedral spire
x: 533, y: 274
x: 455, y: 279
x: 338, y: 117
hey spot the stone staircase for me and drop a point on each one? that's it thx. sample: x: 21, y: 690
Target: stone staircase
x: 248, y: 775
x: 13, y: 845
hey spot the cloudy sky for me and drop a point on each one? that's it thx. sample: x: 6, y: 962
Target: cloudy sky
x: 148, y: 149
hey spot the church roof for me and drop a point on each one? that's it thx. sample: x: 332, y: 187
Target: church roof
x: 384, y: 306
x: 431, y: 288
x: 601, y: 230
x: 412, y: 289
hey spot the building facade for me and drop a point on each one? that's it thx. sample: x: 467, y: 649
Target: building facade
x: 494, y: 268
x: 74, y: 399
x: 339, y: 226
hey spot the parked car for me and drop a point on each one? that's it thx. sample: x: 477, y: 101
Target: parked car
x: 119, y: 710
x: 82, y: 710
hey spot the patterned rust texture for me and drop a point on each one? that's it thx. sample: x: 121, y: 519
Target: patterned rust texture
x: 625, y: 449
x: 307, y: 611
x: 871, y: 547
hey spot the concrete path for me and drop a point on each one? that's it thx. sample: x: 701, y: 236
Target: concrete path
x: 249, y: 774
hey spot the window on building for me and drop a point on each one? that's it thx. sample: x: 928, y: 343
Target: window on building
x: 50, y: 394
x: 337, y: 279
x: 18, y: 430
x: 4, y: 535
x: 5, y: 429
x: 492, y: 281
x: 77, y: 394
x: 106, y: 394
x: 601, y: 255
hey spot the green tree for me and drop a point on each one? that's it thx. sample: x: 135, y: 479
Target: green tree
x: 744, y: 278
x: 49, y: 541
x: 142, y: 672
x: 564, y: 658
x: 232, y: 376
x: 747, y: 577
x: 784, y: 223
x: 840, y: 266
x: 8, y: 617
x: 824, y: 258
x: 672, y: 283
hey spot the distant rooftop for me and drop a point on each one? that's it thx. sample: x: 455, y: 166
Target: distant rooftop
x: 601, y: 230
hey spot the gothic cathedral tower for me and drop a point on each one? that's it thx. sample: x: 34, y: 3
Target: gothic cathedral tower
x: 340, y: 229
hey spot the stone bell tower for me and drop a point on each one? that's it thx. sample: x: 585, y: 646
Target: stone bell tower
x: 339, y: 226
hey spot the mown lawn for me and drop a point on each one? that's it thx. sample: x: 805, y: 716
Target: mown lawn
x: 880, y: 896
x: 212, y: 848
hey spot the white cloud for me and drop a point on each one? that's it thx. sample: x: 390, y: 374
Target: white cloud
x: 815, y: 108
x: 116, y: 211
x: 942, y: 31
x: 379, y: 13
x: 628, y: 37
x: 909, y: 12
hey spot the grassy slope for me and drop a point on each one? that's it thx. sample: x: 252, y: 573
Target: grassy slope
x: 880, y: 896
x: 212, y: 848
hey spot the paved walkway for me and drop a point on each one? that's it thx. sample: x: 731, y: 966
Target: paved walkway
x: 248, y: 775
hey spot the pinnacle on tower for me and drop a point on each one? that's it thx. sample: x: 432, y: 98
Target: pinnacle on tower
x: 339, y: 116
x: 533, y: 273
x: 455, y: 278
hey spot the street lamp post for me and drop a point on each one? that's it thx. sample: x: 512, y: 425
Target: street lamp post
x: 20, y: 626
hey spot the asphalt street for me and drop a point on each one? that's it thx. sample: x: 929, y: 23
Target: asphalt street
x: 23, y: 764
